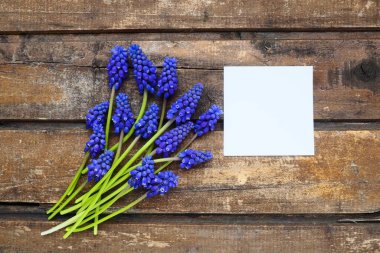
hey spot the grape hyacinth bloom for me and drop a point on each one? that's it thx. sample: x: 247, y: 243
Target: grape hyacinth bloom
x: 123, y: 117
x: 97, y: 141
x: 168, y: 82
x: 143, y: 175
x: 163, y: 182
x: 190, y: 158
x: 99, y: 167
x: 143, y: 69
x: 117, y: 67
x: 170, y: 140
x: 207, y: 120
x: 97, y: 114
x: 185, y: 106
x: 147, y: 125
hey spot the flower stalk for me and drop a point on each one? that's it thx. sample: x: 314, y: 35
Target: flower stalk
x: 114, y: 180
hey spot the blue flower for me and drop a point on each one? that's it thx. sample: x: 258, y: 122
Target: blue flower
x: 192, y: 157
x: 97, y: 115
x: 99, y: 167
x: 143, y: 69
x: 163, y: 182
x: 168, y: 81
x: 170, y: 140
x: 185, y: 106
x: 117, y: 67
x: 143, y: 175
x: 97, y: 141
x: 123, y: 116
x: 147, y: 125
x: 207, y: 120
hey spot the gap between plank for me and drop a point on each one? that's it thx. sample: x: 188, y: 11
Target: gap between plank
x: 16, y: 211
x: 319, y: 125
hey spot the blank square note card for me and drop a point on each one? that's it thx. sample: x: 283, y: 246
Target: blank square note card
x: 268, y: 111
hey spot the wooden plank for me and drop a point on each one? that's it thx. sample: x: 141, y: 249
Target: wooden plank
x: 342, y: 177
x: 126, y: 15
x: 61, y: 77
x: 193, y: 236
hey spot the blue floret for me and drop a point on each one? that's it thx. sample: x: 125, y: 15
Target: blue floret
x: 170, y: 140
x: 185, y: 106
x: 143, y: 69
x: 207, y: 120
x: 117, y: 67
x: 123, y: 116
x: 148, y: 124
x: 190, y: 158
x: 99, y: 167
x: 168, y: 81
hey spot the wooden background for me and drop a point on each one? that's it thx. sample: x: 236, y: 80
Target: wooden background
x: 52, y: 70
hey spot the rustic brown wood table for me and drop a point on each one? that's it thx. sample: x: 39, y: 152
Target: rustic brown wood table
x: 52, y: 69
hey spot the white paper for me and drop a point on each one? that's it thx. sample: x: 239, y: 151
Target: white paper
x: 268, y: 111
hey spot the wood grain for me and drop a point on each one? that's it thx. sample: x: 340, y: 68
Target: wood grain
x: 61, y: 77
x: 127, y: 15
x: 342, y: 177
x: 195, y: 236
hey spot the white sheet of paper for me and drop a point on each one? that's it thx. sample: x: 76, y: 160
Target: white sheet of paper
x: 268, y: 111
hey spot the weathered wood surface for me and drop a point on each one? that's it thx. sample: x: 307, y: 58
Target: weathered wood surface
x: 127, y: 15
x: 342, y: 177
x: 61, y: 77
x: 193, y: 236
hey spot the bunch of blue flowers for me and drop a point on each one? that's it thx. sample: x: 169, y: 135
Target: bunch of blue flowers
x: 111, y: 174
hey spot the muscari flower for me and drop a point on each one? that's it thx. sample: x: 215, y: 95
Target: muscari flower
x: 97, y: 141
x: 97, y: 114
x: 168, y: 81
x: 143, y: 69
x: 190, y: 158
x: 163, y: 182
x: 117, y: 67
x: 99, y: 167
x: 170, y: 140
x: 147, y: 125
x: 143, y: 175
x: 185, y: 106
x: 207, y: 120
x: 123, y: 116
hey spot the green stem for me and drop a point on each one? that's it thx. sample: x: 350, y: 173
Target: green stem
x: 106, y: 206
x: 95, y: 188
x: 115, y: 159
x: 163, y: 111
x: 61, y: 225
x: 71, y: 209
x: 167, y: 160
x: 67, y: 201
x: 185, y: 147
x: 188, y: 143
x: 120, y: 145
x: 114, y: 147
x: 162, y: 117
x: 121, y: 210
x: 96, y: 221
x: 141, y: 113
x: 122, y: 179
x: 108, y: 123
x: 85, y: 212
x: 120, y: 193
x: 141, y: 150
x: 72, y: 183
x: 108, y: 197
x: 107, y: 178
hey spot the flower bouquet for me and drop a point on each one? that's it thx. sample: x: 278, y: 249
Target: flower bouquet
x: 114, y: 173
